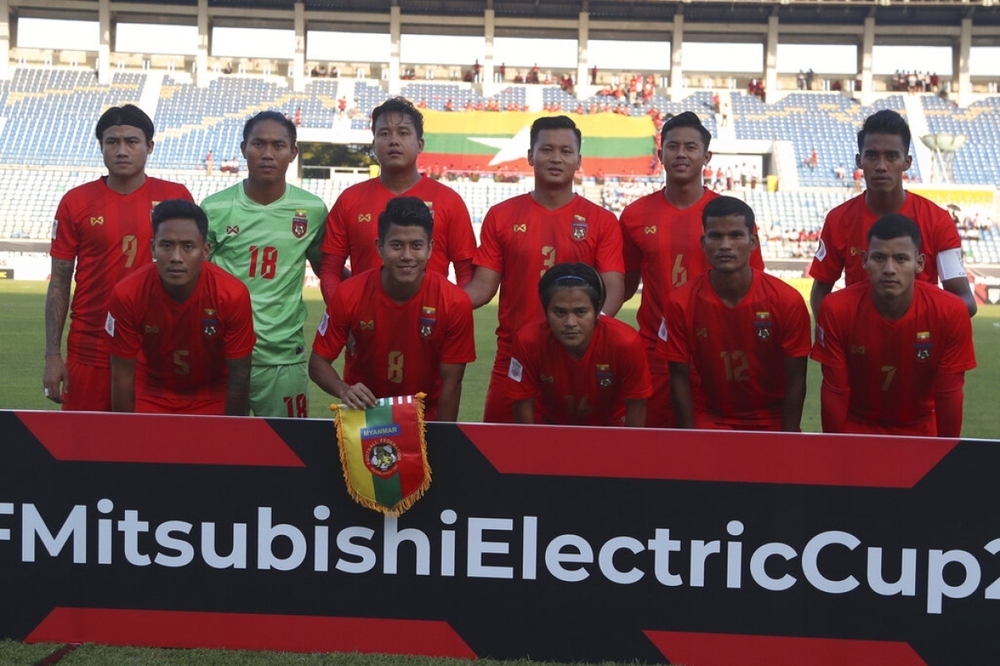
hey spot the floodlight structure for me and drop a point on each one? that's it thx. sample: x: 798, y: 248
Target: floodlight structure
x: 943, y: 148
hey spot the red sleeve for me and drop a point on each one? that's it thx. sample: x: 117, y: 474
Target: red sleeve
x: 631, y: 254
x: 945, y: 234
x: 66, y: 242
x: 240, y: 338
x: 673, y: 342
x: 797, y: 339
x: 949, y: 395
x: 459, y: 345
x: 120, y: 324
x: 828, y: 265
x: 828, y: 348
x: 335, y: 240
x: 331, y: 270
x: 522, y: 376
x: 835, y: 399
x: 959, y: 353
x: 331, y: 335
x: 490, y: 253
x: 461, y: 237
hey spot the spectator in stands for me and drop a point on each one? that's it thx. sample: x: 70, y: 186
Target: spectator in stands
x: 552, y: 369
x: 398, y: 130
x: 527, y: 234
x: 813, y: 160
x: 181, y: 329
x: 662, y: 233
x: 894, y: 348
x: 400, y: 316
x: 751, y: 364
x: 840, y: 172
x: 262, y: 230
x: 883, y: 157
x: 102, y: 230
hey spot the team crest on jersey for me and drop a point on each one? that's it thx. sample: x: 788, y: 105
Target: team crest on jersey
x: 300, y: 222
x: 381, y: 457
x: 209, y: 322
x: 923, y: 345
x: 604, y: 375
x: 579, y: 227
x: 762, y: 324
x: 428, y: 320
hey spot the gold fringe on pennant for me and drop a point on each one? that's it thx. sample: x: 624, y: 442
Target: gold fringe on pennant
x: 406, y: 502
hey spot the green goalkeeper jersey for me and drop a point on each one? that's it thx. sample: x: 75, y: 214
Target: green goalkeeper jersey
x: 267, y: 247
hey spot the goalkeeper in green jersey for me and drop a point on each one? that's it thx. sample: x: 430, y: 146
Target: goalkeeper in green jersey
x: 262, y: 230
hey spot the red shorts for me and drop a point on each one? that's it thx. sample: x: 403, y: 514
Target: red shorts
x: 499, y: 406
x: 89, y: 388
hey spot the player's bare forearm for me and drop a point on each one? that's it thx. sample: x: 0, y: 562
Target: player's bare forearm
x: 614, y: 289
x: 632, y: 279
x: 238, y: 386
x: 450, y: 397
x: 635, y: 413
x: 795, y: 393
x: 680, y: 394
x: 960, y: 287
x: 122, y: 384
x: 57, y: 304
x: 483, y: 286
x: 820, y: 290
x: 524, y: 411
x: 355, y: 396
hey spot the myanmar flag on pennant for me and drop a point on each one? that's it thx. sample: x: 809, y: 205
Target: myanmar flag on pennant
x: 384, y: 453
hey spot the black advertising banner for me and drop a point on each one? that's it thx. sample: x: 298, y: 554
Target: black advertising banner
x: 543, y: 542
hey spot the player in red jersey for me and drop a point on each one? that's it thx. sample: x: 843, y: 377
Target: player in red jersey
x: 181, y: 329
x: 351, y: 226
x: 406, y: 329
x: 883, y: 156
x: 102, y: 230
x: 894, y: 348
x: 744, y: 333
x: 578, y: 367
x: 662, y: 239
x: 526, y: 235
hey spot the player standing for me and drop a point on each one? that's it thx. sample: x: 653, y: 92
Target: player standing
x: 883, y: 156
x: 351, y: 227
x: 181, y: 329
x: 661, y: 234
x: 526, y: 235
x: 578, y: 367
x: 102, y: 230
x: 744, y: 334
x: 263, y: 230
x: 894, y: 348
x: 412, y: 329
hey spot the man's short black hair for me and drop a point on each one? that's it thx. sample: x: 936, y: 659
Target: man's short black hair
x: 277, y: 117
x: 888, y: 122
x: 402, y: 106
x: 686, y: 119
x: 726, y: 206
x: 552, y: 123
x: 566, y: 276
x: 406, y: 212
x: 180, y: 209
x: 126, y: 114
x: 894, y: 225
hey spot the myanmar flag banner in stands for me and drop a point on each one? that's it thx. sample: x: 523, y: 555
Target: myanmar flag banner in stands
x: 491, y: 141
x: 384, y: 454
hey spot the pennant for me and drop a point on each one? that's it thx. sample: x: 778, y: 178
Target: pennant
x: 384, y: 454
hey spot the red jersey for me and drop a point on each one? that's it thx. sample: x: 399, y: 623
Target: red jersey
x: 521, y: 239
x: 108, y: 235
x: 181, y: 348
x: 352, y: 225
x: 738, y: 353
x: 588, y: 391
x: 892, y: 365
x: 663, y: 242
x: 398, y: 348
x: 845, y: 236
